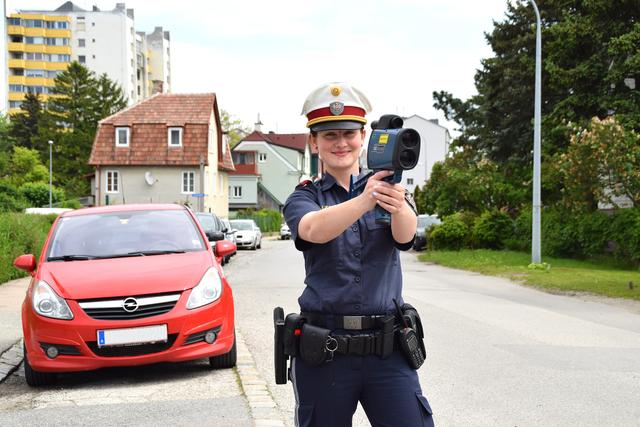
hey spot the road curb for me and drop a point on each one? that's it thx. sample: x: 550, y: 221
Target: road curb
x: 264, y: 410
x: 10, y: 360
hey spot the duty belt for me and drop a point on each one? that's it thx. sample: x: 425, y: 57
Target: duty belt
x: 352, y: 323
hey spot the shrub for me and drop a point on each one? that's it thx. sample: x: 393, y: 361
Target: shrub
x: 624, y: 233
x: 491, y: 229
x: 267, y: 219
x: 10, y: 198
x: 453, y: 233
x: 20, y: 234
x: 37, y: 193
x: 520, y: 239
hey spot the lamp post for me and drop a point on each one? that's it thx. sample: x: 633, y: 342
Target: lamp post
x: 50, y: 170
x: 535, y: 229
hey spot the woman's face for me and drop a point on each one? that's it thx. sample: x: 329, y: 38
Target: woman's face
x: 339, y: 149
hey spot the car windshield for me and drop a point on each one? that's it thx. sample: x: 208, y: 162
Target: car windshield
x: 242, y: 225
x: 119, y: 234
x: 208, y: 222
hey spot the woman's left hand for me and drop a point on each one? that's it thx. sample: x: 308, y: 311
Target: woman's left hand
x: 390, y: 197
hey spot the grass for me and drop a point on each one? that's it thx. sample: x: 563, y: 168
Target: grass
x: 565, y: 275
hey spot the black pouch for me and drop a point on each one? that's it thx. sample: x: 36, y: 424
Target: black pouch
x: 313, y: 344
x: 292, y: 331
x: 413, y: 343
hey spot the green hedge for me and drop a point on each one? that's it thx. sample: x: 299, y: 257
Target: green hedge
x: 268, y: 220
x: 583, y: 235
x: 21, y: 234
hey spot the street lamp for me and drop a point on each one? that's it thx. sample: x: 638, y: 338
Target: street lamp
x: 50, y: 170
x: 535, y: 229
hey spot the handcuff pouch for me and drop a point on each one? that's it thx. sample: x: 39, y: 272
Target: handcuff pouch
x: 313, y: 344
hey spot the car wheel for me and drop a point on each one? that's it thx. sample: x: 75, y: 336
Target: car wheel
x: 227, y: 360
x: 35, y: 378
x: 255, y: 245
x: 260, y: 244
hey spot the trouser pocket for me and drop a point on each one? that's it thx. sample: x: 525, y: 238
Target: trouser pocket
x: 425, y: 410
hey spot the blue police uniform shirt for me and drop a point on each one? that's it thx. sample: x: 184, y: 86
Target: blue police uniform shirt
x: 358, y: 272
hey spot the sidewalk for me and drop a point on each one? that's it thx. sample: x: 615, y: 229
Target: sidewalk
x: 11, y: 297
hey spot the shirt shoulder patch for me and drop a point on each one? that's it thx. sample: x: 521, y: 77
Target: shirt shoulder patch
x: 304, y: 183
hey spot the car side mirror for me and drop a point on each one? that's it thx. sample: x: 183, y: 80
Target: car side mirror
x: 224, y: 248
x: 26, y: 262
x: 214, y: 236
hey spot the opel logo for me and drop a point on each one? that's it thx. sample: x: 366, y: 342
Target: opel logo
x: 130, y: 305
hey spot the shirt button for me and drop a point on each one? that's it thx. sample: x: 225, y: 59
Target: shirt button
x: 357, y: 254
x: 357, y: 279
x: 354, y: 227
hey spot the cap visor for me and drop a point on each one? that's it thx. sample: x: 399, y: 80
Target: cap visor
x: 337, y: 125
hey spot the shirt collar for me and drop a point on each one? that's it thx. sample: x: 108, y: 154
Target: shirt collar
x: 329, y: 181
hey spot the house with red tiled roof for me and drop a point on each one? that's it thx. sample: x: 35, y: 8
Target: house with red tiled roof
x: 166, y: 149
x: 268, y: 168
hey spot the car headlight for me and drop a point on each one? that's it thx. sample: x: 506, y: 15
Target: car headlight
x: 207, y: 291
x: 47, y: 303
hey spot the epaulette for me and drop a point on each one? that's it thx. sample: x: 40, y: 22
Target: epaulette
x: 304, y: 183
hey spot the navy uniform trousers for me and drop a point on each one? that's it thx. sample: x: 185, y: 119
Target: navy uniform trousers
x: 388, y: 389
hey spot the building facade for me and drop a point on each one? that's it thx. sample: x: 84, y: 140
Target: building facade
x: 268, y: 168
x: 41, y: 44
x: 434, y: 146
x: 166, y: 149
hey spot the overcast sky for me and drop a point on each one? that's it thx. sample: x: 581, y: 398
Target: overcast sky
x: 266, y: 56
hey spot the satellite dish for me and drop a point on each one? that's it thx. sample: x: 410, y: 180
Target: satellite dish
x: 149, y: 178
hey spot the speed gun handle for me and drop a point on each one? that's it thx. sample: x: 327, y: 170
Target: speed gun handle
x: 357, y: 187
x: 279, y: 358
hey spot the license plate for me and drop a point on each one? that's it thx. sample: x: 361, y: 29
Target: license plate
x: 127, y: 336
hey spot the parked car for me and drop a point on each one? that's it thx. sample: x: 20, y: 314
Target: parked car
x: 248, y: 234
x: 285, y: 233
x: 229, y: 232
x: 424, y: 222
x: 213, y: 224
x: 126, y: 285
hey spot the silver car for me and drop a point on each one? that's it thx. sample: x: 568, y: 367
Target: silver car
x: 248, y: 234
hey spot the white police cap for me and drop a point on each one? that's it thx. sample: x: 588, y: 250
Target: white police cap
x: 336, y: 106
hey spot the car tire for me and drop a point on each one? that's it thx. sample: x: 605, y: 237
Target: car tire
x: 35, y: 378
x: 227, y: 360
x: 260, y: 244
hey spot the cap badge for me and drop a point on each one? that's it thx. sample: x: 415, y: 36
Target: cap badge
x: 335, y: 91
x: 336, y: 108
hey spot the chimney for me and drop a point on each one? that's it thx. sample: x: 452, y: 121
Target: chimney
x: 258, y: 125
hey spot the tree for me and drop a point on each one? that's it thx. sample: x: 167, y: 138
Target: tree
x: 233, y: 127
x: 25, y: 166
x: 6, y: 142
x: 590, y: 62
x: 80, y: 102
x: 25, y: 124
x: 602, y: 162
x: 110, y: 97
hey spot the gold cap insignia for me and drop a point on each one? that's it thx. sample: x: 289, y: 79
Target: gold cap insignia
x: 335, y: 91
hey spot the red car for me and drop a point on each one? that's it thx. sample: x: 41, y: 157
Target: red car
x: 126, y: 285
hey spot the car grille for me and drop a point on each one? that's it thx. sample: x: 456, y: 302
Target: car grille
x: 126, y: 308
x: 132, y: 350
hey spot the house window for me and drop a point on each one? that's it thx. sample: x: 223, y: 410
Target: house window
x: 81, y: 43
x: 409, y: 181
x: 262, y: 157
x: 188, y: 182
x: 82, y: 59
x: 237, y: 191
x: 174, y: 136
x: 113, y: 181
x: 122, y: 137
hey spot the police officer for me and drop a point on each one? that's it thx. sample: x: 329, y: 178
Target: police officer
x: 353, y: 274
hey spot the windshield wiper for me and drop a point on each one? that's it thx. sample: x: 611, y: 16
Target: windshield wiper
x: 71, y: 258
x: 156, y: 252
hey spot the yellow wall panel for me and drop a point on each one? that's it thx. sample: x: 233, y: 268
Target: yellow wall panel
x: 17, y: 63
x: 15, y: 30
x: 16, y: 80
x: 16, y: 96
x: 16, y: 47
x: 58, y: 49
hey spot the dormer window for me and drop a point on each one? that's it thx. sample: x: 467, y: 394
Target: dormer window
x: 122, y: 137
x: 174, y: 136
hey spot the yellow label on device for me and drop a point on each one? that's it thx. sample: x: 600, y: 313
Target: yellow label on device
x: 384, y: 138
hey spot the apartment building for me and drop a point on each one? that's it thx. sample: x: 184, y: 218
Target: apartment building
x: 42, y: 43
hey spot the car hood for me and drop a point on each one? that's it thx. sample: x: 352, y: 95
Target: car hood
x: 104, y: 278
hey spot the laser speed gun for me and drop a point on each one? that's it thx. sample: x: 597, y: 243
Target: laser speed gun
x: 391, y: 147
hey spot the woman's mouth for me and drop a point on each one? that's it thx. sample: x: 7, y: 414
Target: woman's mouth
x: 341, y: 153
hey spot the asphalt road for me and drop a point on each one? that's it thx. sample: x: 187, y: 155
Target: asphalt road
x: 499, y: 354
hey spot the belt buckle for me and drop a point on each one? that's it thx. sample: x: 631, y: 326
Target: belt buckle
x: 352, y: 322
